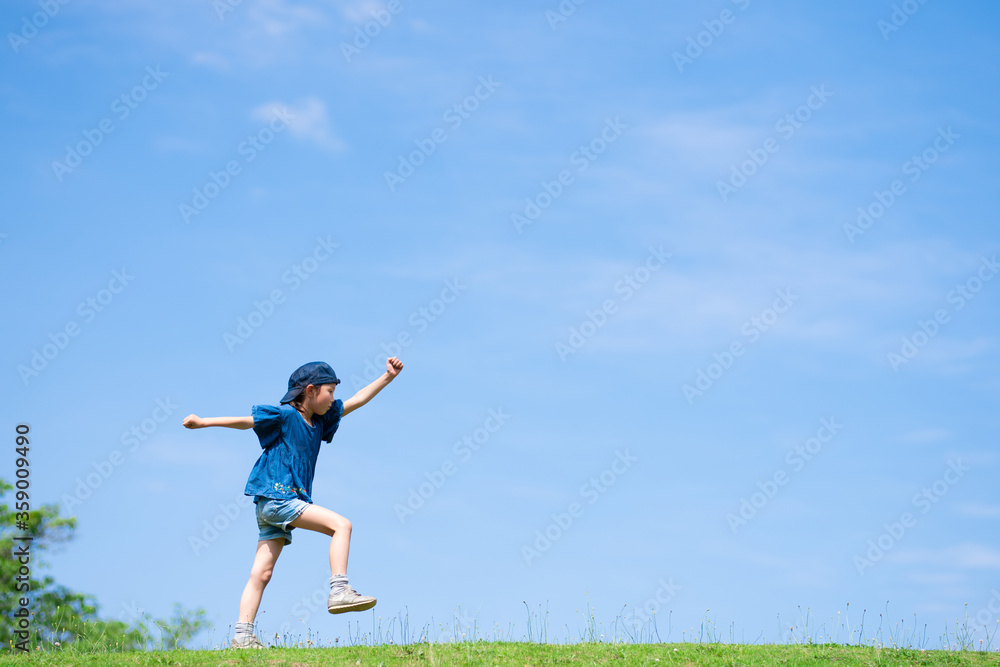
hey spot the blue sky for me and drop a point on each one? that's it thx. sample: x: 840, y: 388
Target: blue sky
x: 725, y: 270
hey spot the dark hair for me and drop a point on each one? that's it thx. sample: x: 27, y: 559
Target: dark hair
x: 297, y: 401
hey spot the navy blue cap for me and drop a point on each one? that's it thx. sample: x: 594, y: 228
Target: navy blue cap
x: 315, y: 372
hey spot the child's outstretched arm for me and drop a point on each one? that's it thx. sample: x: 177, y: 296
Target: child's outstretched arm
x: 392, y: 368
x: 194, y: 421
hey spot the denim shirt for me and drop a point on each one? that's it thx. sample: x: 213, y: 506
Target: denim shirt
x: 285, y: 470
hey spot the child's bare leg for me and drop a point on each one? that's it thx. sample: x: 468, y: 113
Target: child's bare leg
x: 263, y: 564
x: 330, y: 523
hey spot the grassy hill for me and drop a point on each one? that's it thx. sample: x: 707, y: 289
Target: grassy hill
x: 511, y: 653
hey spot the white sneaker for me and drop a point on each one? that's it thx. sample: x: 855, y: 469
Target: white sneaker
x: 249, y: 641
x: 349, y: 600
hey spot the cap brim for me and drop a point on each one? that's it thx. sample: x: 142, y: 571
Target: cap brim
x: 290, y: 396
x: 292, y: 393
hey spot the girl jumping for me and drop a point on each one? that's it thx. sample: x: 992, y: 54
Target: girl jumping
x: 281, y: 482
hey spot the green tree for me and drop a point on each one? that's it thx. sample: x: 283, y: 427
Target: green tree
x: 58, y: 614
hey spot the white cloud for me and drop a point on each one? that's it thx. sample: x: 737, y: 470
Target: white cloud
x: 953, y: 357
x: 421, y: 26
x: 156, y: 486
x: 718, y: 278
x: 308, y: 122
x: 937, y: 578
x: 703, y: 141
x: 358, y: 11
x: 978, y: 509
x: 923, y: 436
x: 961, y: 556
x: 211, y: 59
x: 278, y: 17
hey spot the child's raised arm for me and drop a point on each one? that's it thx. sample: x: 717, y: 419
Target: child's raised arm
x: 392, y: 368
x: 194, y: 421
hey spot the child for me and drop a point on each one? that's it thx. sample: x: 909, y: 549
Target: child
x: 281, y: 482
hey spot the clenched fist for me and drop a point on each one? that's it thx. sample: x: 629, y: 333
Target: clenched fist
x: 193, y: 421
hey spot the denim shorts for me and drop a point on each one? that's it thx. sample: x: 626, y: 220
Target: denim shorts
x: 273, y: 517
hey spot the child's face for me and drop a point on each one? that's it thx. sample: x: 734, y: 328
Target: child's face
x: 320, y: 398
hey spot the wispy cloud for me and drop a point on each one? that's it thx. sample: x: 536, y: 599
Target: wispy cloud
x: 308, y: 122
x: 279, y: 17
x: 980, y: 510
x: 357, y: 11
x: 961, y: 556
x: 701, y: 142
x: 924, y: 436
x: 937, y: 578
x: 211, y: 59
x: 952, y: 356
x: 808, y: 571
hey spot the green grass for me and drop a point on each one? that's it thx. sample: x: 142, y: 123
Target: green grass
x: 506, y: 653
x: 869, y: 641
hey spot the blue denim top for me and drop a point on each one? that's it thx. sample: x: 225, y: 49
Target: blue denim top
x: 285, y: 470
